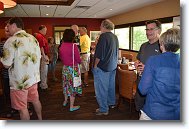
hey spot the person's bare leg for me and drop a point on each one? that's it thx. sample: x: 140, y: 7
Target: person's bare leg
x: 24, y: 114
x: 38, y: 108
x: 72, y: 100
x: 86, y: 78
x: 65, y: 100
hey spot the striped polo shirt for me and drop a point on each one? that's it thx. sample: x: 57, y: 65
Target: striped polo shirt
x: 4, y: 70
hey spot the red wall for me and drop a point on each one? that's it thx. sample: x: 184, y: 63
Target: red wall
x: 34, y: 23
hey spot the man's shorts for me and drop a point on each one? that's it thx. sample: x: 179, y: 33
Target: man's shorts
x: 85, y: 60
x: 19, y: 98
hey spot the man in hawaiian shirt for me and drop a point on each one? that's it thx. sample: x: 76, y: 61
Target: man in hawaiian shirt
x: 22, y: 56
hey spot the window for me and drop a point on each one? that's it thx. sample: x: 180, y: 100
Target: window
x: 139, y: 37
x: 166, y: 26
x: 132, y: 35
x: 123, y: 37
x: 58, y: 36
x: 58, y: 33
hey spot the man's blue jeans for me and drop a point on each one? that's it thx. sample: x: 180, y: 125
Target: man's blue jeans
x: 104, y: 83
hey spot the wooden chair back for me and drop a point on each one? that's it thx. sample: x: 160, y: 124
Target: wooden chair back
x: 123, y: 66
x: 127, y: 83
x: 128, y: 56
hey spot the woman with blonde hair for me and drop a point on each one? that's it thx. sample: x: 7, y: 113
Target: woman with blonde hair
x: 160, y: 80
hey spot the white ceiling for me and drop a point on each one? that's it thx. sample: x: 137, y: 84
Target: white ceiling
x: 97, y: 9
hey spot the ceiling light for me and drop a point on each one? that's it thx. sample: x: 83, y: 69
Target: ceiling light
x: 1, y: 7
x: 47, y: 6
x: 47, y: 14
x: 111, y: 9
x: 8, y: 3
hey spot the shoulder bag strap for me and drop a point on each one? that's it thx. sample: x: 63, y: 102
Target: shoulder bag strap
x: 73, y: 57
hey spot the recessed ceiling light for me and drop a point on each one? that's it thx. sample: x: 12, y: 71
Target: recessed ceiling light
x: 47, y: 14
x: 111, y: 9
x: 47, y: 6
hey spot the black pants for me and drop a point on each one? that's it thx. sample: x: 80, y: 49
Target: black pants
x: 139, y: 98
x: 6, y: 91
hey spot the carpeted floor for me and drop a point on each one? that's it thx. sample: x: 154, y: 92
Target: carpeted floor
x: 52, y: 100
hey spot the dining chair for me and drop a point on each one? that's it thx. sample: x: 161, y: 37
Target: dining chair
x: 127, y: 86
x: 123, y: 66
x: 128, y: 56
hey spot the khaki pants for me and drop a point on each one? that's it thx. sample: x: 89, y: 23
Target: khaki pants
x: 85, y: 60
x: 43, y: 74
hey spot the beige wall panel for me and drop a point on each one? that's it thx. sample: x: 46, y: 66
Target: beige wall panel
x: 166, y: 8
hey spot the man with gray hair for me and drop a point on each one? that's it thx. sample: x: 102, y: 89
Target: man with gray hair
x: 75, y: 28
x: 104, y: 71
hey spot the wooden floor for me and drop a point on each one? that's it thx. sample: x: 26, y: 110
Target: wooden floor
x: 52, y: 108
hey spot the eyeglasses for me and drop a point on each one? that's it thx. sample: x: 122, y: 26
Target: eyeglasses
x: 151, y: 29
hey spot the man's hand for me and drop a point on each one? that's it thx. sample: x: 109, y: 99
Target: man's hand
x: 139, y: 66
x: 46, y: 59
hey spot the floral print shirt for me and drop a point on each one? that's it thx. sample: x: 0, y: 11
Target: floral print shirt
x: 22, y: 55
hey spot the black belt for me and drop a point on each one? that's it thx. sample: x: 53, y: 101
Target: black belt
x: 84, y: 53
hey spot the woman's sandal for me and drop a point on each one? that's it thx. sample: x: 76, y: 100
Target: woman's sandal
x: 74, y: 109
x: 65, y: 103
